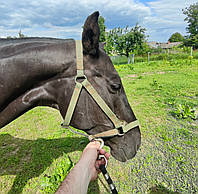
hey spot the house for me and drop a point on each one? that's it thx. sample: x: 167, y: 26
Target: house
x: 167, y: 45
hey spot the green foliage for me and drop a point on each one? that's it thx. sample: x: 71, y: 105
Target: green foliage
x: 191, y: 13
x: 102, y: 27
x: 191, y: 41
x: 125, y: 41
x: 10, y: 37
x: 156, y: 85
x: 184, y: 111
x: 21, y: 35
x: 109, y: 46
x: 51, y: 183
x: 176, y: 37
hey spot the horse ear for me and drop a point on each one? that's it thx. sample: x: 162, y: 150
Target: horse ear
x: 90, y: 35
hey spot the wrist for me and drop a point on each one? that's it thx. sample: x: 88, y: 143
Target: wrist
x: 84, y: 166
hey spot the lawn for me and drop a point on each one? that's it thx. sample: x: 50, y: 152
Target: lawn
x: 36, y: 153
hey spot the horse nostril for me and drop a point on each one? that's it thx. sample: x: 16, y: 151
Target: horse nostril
x: 116, y: 86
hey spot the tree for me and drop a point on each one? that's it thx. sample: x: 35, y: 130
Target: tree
x: 102, y: 27
x: 176, y: 37
x: 191, y: 41
x: 21, y: 35
x: 109, y: 43
x: 125, y: 41
x: 191, y: 13
x: 192, y: 18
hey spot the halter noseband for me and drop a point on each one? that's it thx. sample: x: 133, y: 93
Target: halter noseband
x: 120, y: 127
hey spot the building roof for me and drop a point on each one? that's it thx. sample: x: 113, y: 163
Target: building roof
x: 167, y: 45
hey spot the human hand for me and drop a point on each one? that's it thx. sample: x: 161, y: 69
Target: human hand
x: 90, y: 157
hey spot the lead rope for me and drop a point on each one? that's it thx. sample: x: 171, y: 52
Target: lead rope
x: 108, y: 179
x: 103, y: 169
x: 76, y: 132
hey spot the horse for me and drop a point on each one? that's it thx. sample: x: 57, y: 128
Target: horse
x: 41, y: 72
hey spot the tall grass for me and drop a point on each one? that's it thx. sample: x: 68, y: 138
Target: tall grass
x: 154, y: 57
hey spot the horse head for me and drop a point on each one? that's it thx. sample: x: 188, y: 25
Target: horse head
x: 88, y: 115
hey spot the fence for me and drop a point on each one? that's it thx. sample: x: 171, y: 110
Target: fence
x: 163, y: 55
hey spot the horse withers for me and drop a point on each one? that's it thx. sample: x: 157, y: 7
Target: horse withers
x: 41, y: 72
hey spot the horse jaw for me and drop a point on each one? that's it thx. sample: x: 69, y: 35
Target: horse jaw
x: 125, y: 147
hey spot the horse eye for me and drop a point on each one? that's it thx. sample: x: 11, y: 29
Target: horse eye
x: 97, y: 74
x: 116, y: 86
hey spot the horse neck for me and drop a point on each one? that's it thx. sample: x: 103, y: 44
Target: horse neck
x: 35, y: 62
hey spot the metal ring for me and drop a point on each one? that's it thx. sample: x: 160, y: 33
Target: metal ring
x: 120, y: 129
x: 100, y: 141
x: 100, y: 158
x: 80, y: 76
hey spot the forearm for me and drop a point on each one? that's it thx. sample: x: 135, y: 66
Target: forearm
x: 77, y: 181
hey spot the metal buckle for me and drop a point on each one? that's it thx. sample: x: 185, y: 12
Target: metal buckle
x: 80, y: 78
x: 64, y: 126
x: 120, y: 129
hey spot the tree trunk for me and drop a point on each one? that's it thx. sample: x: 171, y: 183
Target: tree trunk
x: 128, y: 57
x: 129, y: 60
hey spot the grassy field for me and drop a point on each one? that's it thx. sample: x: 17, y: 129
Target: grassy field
x: 36, y: 153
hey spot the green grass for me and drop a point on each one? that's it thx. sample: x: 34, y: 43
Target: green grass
x: 36, y: 153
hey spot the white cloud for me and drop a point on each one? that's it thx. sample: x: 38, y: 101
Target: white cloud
x: 46, y: 31
x: 64, y: 18
x: 166, y: 18
x: 39, y: 15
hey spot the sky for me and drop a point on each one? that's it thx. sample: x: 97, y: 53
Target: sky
x: 65, y: 18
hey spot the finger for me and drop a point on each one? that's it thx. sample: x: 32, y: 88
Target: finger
x: 102, y: 151
x: 99, y: 162
x: 94, y: 144
x: 107, y: 155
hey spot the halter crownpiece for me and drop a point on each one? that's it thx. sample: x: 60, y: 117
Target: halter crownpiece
x: 120, y: 127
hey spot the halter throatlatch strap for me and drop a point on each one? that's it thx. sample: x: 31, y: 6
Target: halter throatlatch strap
x: 120, y: 126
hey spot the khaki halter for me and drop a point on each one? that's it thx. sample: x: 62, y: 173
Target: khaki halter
x: 121, y: 127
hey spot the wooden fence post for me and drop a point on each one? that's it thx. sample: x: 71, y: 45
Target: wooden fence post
x: 148, y: 56
x: 191, y: 51
x: 133, y: 58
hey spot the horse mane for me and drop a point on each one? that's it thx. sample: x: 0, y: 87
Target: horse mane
x: 5, y: 41
x: 14, y: 46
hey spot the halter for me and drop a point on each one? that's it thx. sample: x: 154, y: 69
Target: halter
x: 121, y: 127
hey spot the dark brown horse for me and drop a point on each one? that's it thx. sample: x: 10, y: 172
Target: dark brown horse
x: 41, y: 72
